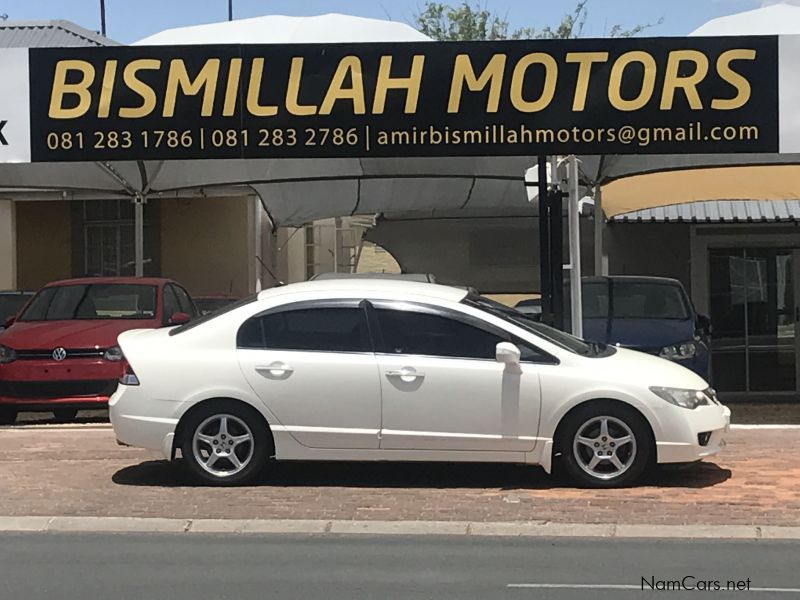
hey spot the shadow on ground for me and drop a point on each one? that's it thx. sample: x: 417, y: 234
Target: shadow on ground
x: 411, y: 475
x: 47, y: 418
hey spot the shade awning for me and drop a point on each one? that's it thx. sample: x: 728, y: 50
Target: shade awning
x: 718, y: 211
x: 641, y: 182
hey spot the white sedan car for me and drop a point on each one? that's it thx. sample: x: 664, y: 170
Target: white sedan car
x: 403, y: 371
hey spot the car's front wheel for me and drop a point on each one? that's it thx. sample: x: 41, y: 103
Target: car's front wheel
x: 225, y: 443
x: 605, y: 444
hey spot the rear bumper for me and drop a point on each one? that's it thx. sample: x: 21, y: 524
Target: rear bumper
x: 133, y: 428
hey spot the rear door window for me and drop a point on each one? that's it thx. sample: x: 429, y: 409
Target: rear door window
x: 321, y: 329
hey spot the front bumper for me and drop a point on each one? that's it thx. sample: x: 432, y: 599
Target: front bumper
x: 41, y: 385
x: 694, y: 434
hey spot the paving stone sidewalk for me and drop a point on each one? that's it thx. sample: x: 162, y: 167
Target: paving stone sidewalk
x: 81, y: 471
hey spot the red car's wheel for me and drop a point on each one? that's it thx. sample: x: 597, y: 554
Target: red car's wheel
x: 65, y: 415
x: 7, y: 415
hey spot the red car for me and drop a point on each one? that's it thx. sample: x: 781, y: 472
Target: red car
x: 60, y: 353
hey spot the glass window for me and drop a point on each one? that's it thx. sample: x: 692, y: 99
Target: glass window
x: 325, y: 329
x: 171, y: 305
x: 552, y: 335
x: 92, y: 301
x: 410, y: 332
x: 10, y: 304
x: 213, y: 315
x: 185, y: 303
x: 634, y: 300
x: 595, y: 300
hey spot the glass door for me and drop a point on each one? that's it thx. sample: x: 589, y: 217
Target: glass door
x: 752, y: 306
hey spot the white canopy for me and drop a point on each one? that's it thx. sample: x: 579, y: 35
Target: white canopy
x: 278, y: 29
x: 636, y: 182
x: 776, y: 18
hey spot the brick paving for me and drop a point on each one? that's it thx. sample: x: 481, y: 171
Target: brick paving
x: 81, y: 471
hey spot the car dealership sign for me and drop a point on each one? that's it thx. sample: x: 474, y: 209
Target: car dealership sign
x: 594, y: 96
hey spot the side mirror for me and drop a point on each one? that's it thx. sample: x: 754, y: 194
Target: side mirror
x: 507, y: 353
x: 704, y: 324
x: 179, y: 318
x: 9, y: 321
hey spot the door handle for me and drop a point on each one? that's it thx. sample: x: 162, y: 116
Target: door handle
x: 405, y: 374
x: 276, y: 369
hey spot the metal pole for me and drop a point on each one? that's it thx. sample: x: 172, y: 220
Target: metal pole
x: 258, y: 242
x: 600, y: 267
x: 103, y: 17
x: 230, y: 10
x: 337, y: 226
x: 576, y: 295
x: 138, y: 226
x: 557, y: 246
x: 545, y: 257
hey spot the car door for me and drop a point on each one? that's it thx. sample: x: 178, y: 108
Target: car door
x: 312, y: 364
x: 443, y: 389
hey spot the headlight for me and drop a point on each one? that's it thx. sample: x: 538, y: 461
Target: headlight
x: 7, y: 355
x: 680, y: 351
x: 113, y: 354
x: 690, y: 399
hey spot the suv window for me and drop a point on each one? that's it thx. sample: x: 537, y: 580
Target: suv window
x: 324, y: 329
x: 410, y: 332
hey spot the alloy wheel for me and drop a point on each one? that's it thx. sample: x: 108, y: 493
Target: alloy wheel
x: 223, y: 445
x: 604, y: 447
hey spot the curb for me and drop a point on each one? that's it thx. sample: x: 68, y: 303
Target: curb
x: 341, y: 527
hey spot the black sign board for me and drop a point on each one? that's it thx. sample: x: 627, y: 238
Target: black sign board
x: 592, y: 96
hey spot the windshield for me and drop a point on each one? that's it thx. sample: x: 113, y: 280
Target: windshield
x: 634, y: 300
x: 210, y: 305
x: 213, y: 315
x: 100, y: 301
x: 554, y: 336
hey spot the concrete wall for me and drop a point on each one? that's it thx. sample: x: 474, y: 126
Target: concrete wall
x: 498, y: 255
x: 8, y: 245
x: 205, y: 244
x: 375, y: 259
x: 658, y: 249
x: 44, y: 243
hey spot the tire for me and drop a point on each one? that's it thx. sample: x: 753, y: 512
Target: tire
x: 595, y: 457
x: 65, y: 415
x: 238, y: 460
x: 7, y: 415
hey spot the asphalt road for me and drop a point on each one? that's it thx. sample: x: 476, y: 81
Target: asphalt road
x: 195, y: 566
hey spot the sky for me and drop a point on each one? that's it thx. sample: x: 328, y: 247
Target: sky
x: 131, y: 20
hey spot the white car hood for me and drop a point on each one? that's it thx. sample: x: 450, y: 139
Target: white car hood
x: 648, y: 370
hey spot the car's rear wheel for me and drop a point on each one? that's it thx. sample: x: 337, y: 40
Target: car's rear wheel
x: 7, y: 415
x: 605, y: 444
x: 225, y: 443
x: 65, y: 415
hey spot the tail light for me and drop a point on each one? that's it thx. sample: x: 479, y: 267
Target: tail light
x: 128, y: 376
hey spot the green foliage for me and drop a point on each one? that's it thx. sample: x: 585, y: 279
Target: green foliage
x: 471, y: 21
